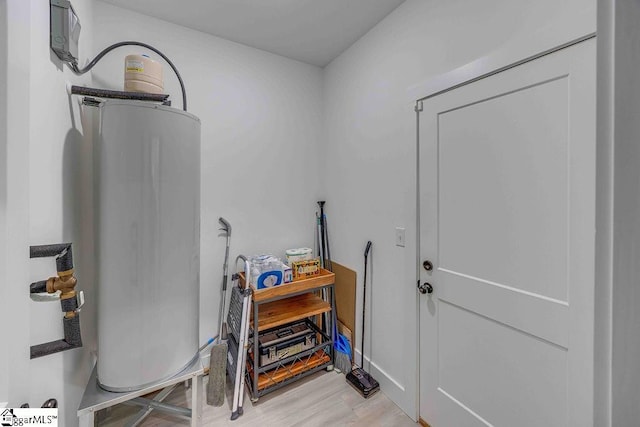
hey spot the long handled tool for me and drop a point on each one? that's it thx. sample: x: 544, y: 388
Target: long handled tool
x: 323, y: 243
x: 325, y: 253
x: 358, y: 378
x: 218, y: 359
x: 238, y: 321
x: 325, y: 258
x: 319, y: 239
x: 326, y: 237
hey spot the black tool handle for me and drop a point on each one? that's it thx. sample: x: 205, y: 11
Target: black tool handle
x: 368, y: 248
x: 364, y: 302
x: 323, y: 242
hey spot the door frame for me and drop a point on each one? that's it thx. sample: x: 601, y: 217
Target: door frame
x: 462, y: 76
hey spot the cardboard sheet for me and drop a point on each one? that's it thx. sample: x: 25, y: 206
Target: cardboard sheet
x: 345, y: 287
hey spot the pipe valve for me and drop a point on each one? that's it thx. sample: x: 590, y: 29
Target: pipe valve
x: 71, y: 301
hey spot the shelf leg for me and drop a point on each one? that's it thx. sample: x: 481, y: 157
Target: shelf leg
x: 87, y: 420
x: 196, y: 401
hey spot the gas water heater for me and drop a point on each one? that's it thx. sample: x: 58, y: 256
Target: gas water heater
x: 147, y: 171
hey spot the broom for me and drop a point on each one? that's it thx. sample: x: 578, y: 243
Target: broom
x: 218, y: 359
x: 342, y: 354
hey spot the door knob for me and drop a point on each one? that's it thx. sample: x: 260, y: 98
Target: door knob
x: 427, y: 265
x: 425, y: 288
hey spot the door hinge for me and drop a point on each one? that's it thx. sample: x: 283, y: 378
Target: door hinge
x: 419, y: 107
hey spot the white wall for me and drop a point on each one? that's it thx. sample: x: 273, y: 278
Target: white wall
x: 369, y: 148
x: 59, y: 209
x: 16, y: 309
x: 45, y: 133
x: 261, y: 120
x: 4, y: 373
x: 622, y: 29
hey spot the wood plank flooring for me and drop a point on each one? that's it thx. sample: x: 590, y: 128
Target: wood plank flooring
x: 322, y: 399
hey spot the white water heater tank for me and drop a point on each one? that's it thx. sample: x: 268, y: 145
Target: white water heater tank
x: 147, y: 161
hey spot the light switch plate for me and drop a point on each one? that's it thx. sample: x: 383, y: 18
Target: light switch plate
x: 400, y: 236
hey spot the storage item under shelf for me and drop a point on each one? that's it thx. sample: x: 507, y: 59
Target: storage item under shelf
x: 275, y: 345
x: 291, y: 370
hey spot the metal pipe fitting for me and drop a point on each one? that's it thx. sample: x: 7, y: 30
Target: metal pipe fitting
x: 65, y: 282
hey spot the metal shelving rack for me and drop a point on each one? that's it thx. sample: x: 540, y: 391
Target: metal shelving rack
x: 280, y: 305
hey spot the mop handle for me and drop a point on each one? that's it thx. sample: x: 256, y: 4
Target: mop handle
x: 227, y: 228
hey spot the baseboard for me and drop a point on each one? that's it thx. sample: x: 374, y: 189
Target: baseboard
x: 376, y: 371
x: 392, y: 388
x: 423, y: 423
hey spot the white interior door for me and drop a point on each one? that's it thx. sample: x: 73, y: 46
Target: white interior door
x: 507, y: 218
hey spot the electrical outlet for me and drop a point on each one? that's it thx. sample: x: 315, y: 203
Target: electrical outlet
x: 400, y: 237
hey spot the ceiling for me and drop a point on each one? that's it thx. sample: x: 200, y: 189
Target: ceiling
x: 311, y: 31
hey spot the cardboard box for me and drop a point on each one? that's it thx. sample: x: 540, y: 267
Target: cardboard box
x: 305, y: 269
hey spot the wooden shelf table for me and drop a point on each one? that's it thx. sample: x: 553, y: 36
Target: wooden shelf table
x: 284, y: 304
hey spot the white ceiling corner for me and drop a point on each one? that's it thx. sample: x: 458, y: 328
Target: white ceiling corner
x: 311, y: 31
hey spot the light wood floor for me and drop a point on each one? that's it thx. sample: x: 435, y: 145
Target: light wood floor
x: 322, y: 399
